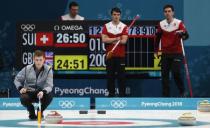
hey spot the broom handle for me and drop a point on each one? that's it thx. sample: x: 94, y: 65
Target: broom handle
x: 118, y: 42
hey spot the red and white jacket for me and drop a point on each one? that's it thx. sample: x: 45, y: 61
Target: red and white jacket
x: 170, y: 40
x: 113, y: 31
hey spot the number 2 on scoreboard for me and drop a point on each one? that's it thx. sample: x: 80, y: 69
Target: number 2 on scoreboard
x: 70, y: 62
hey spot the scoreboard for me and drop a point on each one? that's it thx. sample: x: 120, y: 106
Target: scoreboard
x: 75, y: 48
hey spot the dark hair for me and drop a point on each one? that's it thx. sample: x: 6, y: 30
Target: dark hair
x: 115, y: 9
x: 73, y: 4
x: 168, y: 6
x: 39, y: 53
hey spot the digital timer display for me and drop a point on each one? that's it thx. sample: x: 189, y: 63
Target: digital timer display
x: 70, y: 62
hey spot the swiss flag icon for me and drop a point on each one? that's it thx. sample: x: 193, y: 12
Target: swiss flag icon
x: 44, y: 39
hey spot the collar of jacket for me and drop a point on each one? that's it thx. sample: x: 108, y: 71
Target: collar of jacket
x: 42, y: 69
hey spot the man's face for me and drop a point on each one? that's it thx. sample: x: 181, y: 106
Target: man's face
x: 39, y: 61
x: 169, y: 14
x: 74, y: 10
x: 116, y: 16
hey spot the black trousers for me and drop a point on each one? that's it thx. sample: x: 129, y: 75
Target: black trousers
x: 115, y: 68
x: 31, y: 97
x: 171, y: 63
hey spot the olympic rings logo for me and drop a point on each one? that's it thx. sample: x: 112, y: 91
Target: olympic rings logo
x: 118, y: 103
x: 28, y: 27
x: 66, y: 104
